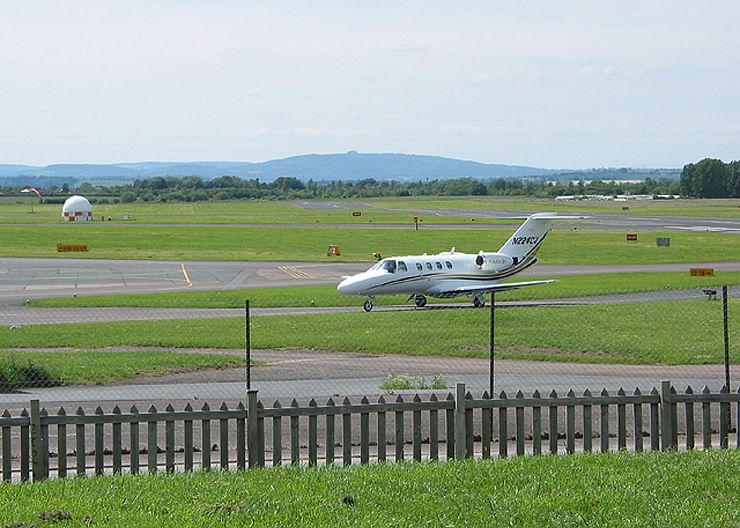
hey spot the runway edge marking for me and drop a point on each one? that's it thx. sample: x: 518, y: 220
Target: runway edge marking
x: 185, y: 274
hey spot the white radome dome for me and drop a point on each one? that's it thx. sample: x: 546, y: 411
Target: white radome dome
x: 76, y: 209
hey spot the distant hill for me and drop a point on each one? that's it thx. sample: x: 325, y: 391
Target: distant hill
x: 319, y: 167
x: 402, y: 167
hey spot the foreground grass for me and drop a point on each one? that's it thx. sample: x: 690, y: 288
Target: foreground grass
x: 567, y: 286
x: 614, y: 490
x: 209, y: 242
x: 676, y: 332
x: 89, y: 367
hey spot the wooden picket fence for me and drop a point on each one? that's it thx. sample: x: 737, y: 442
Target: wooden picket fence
x: 36, y: 445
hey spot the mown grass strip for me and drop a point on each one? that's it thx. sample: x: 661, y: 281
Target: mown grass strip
x: 726, y: 208
x: 229, y: 212
x: 675, y: 332
x: 206, y: 242
x: 43, y: 369
x: 697, y: 489
x: 567, y: 286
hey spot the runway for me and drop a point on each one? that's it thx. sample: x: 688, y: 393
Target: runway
x: 23, y: 278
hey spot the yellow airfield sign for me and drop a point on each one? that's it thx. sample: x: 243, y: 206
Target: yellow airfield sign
x: 71, y: 248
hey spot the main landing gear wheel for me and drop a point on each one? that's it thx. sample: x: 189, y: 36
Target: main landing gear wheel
x: 368, y: 305
x: 420, y: 300
x: 479, y: 301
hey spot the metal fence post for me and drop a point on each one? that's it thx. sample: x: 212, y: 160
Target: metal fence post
x: 248, y: 343
x: 668, y: 427
x: 253, y: 439
x: 460, y: 440
x: 491, y: 357
x: 726, y: 336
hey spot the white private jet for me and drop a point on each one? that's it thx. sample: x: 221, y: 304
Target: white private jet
x: 451, y: 274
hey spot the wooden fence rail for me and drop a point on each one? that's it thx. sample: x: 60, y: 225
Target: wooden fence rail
x: 347, y: 432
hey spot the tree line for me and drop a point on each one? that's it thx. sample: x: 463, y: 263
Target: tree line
x: 196, y: 189
x: 711, y: 178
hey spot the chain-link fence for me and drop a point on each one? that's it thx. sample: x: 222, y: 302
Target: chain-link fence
x: 168, y: 364
x: 542, y: 340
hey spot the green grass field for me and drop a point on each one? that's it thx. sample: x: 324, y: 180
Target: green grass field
x: 634, y: 333
x: 678, y: 332
x: 228, y: 212
x: 568, y: 286
x: 697, y: 489
x: 221, y: 230
x: 310, y: 244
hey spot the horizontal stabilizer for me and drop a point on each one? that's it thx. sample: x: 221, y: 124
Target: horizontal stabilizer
x: 501, y: 286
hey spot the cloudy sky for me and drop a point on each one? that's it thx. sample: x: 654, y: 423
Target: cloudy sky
x: 550, y: 84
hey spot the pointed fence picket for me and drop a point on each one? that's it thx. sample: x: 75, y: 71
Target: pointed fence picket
x: 412, y: 427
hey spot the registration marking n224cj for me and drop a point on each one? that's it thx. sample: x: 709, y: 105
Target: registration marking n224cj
x: 531, y: 240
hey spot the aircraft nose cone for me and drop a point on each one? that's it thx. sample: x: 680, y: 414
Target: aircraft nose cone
x: 346, y: 286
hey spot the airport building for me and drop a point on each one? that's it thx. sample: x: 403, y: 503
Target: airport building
x: 76, y: 209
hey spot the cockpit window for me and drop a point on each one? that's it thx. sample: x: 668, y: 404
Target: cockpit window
x: 402, y: 266
x: 389, y: 265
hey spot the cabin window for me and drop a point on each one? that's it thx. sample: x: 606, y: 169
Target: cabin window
x: 402, y: 266
x: 429, y: 266
x: 389, y: 265
x: 439, y: 265
x: 449, y: 264
x: 419, y: 266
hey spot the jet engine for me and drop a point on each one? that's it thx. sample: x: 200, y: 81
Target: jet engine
x: 493, y: 261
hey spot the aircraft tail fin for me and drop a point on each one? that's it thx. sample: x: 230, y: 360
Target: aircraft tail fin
x: 526, y: 240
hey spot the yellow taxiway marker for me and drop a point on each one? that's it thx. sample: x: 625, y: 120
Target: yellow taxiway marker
x: 185, y: 274
x: 294, y: 272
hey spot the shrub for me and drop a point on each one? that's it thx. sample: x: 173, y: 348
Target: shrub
x: 14, y: 376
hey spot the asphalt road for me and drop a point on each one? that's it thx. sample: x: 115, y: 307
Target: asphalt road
x: 317, y: 374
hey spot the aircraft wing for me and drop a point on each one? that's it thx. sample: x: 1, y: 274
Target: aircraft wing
x: 501, y: 286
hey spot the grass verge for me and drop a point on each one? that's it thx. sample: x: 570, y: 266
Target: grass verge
x: 15, y: 375
x: 308, y: 244
x: 697, y: 489
x: 394, y: 382
x: 45, y: 369
x: 568, y: 286
x: 675, y: 333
